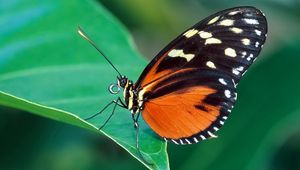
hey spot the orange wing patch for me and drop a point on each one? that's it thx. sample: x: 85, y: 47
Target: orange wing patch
x: 152, y: 75
x: 176, y: 115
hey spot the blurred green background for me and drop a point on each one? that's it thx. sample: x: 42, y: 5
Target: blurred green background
x: 263, y: 132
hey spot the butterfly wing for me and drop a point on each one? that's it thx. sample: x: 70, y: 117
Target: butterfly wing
x: 189, y: 88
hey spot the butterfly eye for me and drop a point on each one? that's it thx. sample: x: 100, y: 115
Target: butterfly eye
x: 122, y: 81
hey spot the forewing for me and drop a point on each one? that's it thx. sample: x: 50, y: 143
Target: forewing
x: 229, y: 40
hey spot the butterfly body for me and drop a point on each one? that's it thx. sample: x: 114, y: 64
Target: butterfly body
x: 185, y: 94
x: 187, y: 91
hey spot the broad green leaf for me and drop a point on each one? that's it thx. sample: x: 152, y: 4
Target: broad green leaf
x: 47, y: 69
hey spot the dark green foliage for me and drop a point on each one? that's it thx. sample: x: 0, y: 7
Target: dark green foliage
x: 47, y: 69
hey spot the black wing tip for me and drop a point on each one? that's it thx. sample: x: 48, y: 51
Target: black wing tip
x: 250, y: 8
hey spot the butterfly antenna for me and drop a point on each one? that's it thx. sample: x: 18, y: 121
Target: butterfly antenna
x: 84, y: 35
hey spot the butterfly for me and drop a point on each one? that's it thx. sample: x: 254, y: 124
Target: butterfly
x: 186, y: 93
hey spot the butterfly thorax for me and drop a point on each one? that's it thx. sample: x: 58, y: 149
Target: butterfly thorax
x: 130, y: 95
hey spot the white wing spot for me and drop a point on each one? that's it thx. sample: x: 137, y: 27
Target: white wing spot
x: 233, y: 82
x: 212, y: 41
x: 251, y: 21
x: 179, y: 53
x: 225, y: 117
x: 236, y: 30
x: 235, y: 71
x: 241, y: 68
x: 216, y: 129
x: 235, y: 96
x: 210, y: 64
x: 190, y: 33
x: 181, y: 142
x: 227, y: 22
x: 174, y: 141
x: 245, y: 41
x: 250, y: 57
x: 256, y: 44
x: 187, y: 141
x: 202, y: 137
x: 258, y: 32
x: 211, y: 134
x: 227, y: 93
x: 244, y: 54
x: 222, y: 81
x: 221, y: 122
x: 195, y: 139
x: 213, y: 20
x: 205, y: 35
x: 233, y: 12
x: 230, y: 52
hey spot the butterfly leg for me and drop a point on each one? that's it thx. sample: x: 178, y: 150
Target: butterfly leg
x: 137, y: 127
x: 115, y: 102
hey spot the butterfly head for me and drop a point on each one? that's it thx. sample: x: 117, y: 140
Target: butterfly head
x: 122, y: 81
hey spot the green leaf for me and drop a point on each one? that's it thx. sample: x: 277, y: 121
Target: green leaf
x: 47, y: 69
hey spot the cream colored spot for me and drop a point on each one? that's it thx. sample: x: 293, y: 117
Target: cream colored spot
x: 211, y: 134
x: 190, y: 33
x: 236, y: 30
x: 245, y: 41
x: 179, y: 53
x: 222, y: 81
x: 251, y: 21
x: 227, y: 93
x: 210, y: 64
x: 233, y: 12
x: 258, y: 32
x: 181, y: 142
x: 227, y: 22
x: 230, y: 52
x: 212, y: 41
x: 241, y: 68
x: 204, y: 34
x: 235, y: 96
x: 256, y: 44
x: 195, y: 139
x: 174, y: 141
x: 250, y: 57
x: 235, y: 71
x: 187, y: 141
x: 244, y: 53
x: 213, y: 20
